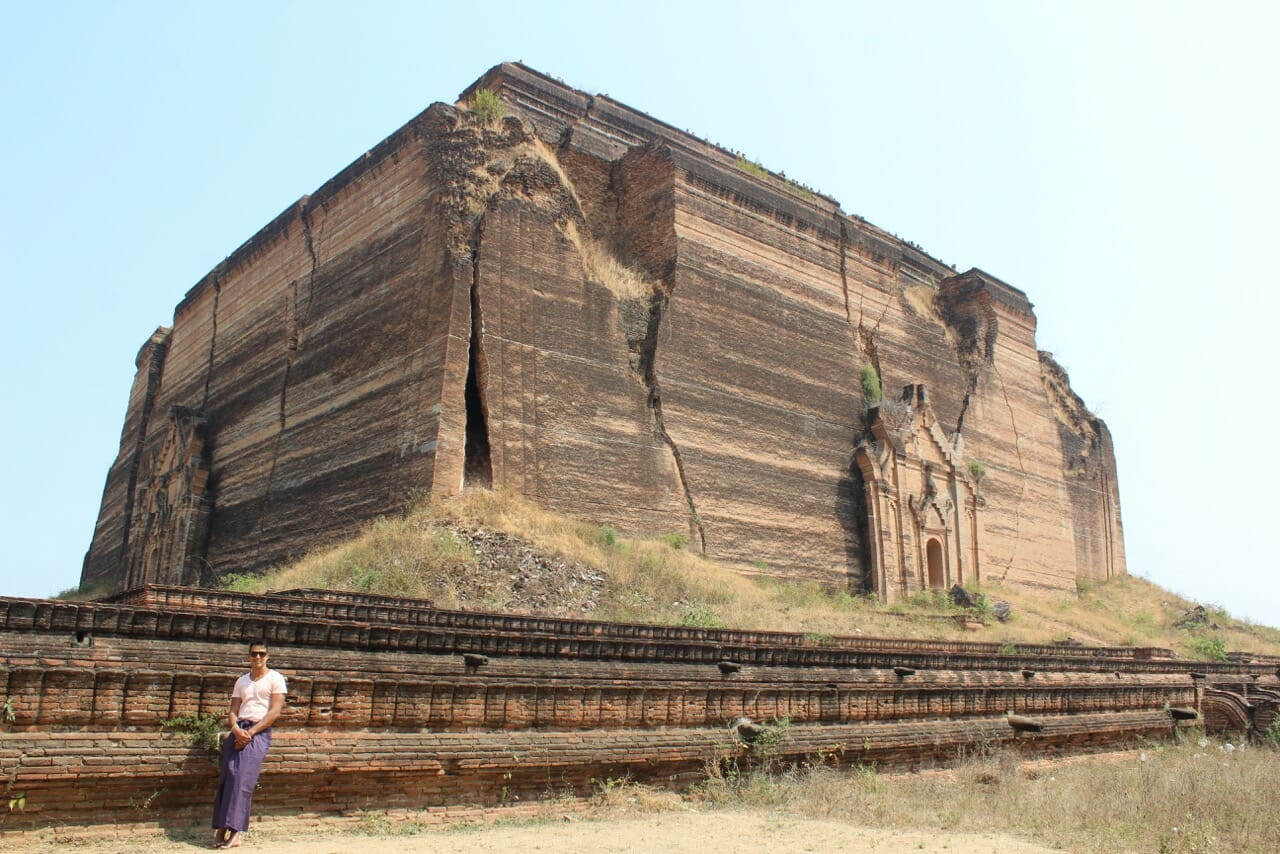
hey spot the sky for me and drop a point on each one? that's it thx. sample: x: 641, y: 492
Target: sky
x: 1117, y: 161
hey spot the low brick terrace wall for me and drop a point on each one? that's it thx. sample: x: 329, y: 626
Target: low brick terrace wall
x: 389, y: 705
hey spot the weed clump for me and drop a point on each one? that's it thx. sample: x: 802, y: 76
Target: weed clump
x: 201, y: 730
x: 1209, y: 648
x: 487, y: 107
x: 872, y: 393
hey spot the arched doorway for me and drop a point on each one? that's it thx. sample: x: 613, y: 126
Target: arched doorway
x: 933, y: 558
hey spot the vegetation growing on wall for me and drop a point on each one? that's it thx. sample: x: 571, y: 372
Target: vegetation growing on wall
x: 872, y: 393
x: 487, y: 106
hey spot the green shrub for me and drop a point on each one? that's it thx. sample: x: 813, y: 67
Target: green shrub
x: 608, y: 536
x: 977, y: 470
x: 872, y: 393
x: 767, y: 744
x: 699, y: 615
x: 675, y: 541
x: 242, y: 583
x: 1208, y: 648
x: 200, y: 730
x: 487, y: 106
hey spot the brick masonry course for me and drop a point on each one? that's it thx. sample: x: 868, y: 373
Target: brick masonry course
x: 375, y: 721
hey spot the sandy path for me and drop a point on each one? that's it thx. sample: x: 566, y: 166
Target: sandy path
x: 721, y: 832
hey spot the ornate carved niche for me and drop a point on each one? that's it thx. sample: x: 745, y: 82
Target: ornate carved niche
x: 171, y: 510
x: 908, y: 459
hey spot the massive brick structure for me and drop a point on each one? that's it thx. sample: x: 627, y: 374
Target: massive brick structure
x: 621, y: 322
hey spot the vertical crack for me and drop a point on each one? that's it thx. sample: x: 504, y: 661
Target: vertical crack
x: 298, y: 309
x: 844, y: 272
x: 477, y: 460
x: 971, y: 387
x: 648, y: 373
x: 1017, y: 449
x: 566, y: 135
x: 864, y: 338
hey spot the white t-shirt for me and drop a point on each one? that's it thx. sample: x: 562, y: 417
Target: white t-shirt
x: 255, y: 696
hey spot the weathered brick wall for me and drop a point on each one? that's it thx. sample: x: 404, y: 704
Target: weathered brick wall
x: 622, y: 323
x: 384, y: 710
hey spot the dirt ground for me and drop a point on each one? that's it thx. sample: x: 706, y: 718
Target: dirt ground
x: 686, y: 832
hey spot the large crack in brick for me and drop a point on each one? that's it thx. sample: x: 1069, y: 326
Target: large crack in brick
x: 648, y: 373
x: 477, y: 461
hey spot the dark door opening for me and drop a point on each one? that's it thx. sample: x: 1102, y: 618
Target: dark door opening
x: 933, y: 556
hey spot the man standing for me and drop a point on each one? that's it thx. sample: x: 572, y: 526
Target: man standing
x: 256, y: 702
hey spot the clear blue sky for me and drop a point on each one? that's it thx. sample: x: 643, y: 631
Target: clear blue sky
x: 1120, y: 162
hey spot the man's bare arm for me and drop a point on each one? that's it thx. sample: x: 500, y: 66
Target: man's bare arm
x: 277, y: 706
x: 233, y: 717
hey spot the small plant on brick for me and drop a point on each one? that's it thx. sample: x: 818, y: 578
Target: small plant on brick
x: 145, y: 804
x: 768, y: 744
x: 872, y: 393
x: 487, y: 106
x: 204, y: 731
x: 7, y: 712
x: 17, y: 801
x: 977, y: 470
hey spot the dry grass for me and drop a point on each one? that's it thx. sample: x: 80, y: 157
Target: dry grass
x: 1128, y: 611
x: 412, y: 557
x: 1197, y: 795
x: 657, y: 580
x: 920, y: 300
x: 604, y: 266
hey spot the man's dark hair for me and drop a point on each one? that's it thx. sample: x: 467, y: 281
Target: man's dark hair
x: 262, y: 644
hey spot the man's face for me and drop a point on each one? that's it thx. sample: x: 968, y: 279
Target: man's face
x: 257, y: 655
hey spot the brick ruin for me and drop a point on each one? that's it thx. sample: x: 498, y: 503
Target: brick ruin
x: 395, y: 704
x: 624, y: 323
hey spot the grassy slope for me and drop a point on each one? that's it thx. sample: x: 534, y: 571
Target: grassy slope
x: 657, y: 580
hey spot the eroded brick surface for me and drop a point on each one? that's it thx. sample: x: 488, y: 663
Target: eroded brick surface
x: 621, y: 322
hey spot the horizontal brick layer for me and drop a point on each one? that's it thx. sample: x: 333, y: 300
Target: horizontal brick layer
x: 91, y: 777
x: 109, y: 698
x: 365, y: 608
x: 86, y: 620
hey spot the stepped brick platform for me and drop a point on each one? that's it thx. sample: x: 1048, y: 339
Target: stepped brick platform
x: 390, y: 706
